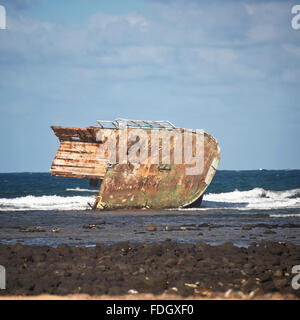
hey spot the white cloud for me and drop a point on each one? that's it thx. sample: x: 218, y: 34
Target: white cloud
x: 104, y: 21
x: 270, y: 22
x: 194, y: 42
x: 128, y: 55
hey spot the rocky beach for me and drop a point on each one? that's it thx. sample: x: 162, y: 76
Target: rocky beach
x: 242, y: 243
x: 182, y: 270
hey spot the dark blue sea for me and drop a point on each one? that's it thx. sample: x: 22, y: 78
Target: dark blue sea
x: 265, y: 199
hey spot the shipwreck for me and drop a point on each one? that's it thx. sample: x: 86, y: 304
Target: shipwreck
x: 138, y: 163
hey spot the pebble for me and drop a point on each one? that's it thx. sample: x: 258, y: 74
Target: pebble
x: 190, y: 285
x: 132, y: 291
x: 90, y: 226
x: 246, y: 227
x: 228, y: 293
x: 225, y: 260
x: 142, y: 270
x: 278, y: 273
x: 151, y: 227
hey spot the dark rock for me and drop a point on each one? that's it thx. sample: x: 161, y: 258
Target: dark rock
x: 91, y: 226
x: 280, y: 283
x: 267, y: 231
x: 33, y: 229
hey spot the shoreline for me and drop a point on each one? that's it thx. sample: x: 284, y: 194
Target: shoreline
x: 161, y: 270
x: 89, y: 228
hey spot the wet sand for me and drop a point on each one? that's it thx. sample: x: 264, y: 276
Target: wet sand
x: 89, y: 228
x: 165, y: 296
x: 124, y: 269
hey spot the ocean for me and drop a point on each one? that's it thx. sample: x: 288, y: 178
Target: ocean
x: 267, y: 201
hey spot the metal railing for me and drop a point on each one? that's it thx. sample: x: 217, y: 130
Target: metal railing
x: 145, y: 124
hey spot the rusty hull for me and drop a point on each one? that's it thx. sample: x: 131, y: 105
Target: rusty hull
x: 132, y: 185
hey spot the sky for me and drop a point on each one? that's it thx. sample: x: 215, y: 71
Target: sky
x: 230, y: 67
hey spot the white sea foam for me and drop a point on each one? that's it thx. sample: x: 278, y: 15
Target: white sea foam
x: 295, y: 215
x: 77, y: 189
x: 256, y: 198
x: 45, y: 203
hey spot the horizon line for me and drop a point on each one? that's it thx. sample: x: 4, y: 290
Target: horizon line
x: 260, y: 169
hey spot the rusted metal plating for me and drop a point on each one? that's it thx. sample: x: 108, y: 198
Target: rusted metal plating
x: 159, y: 181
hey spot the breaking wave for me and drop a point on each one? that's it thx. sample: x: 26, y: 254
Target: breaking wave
x: 30, y: 203
x: 81, y: 190
x: 256, y: 198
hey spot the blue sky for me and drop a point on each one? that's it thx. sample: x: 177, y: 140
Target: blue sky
x: 229, y: 67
